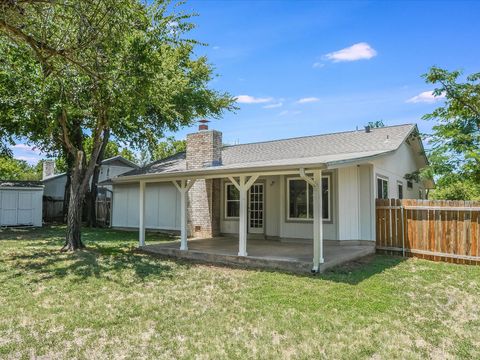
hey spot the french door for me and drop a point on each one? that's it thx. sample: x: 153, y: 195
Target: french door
x: 256, y: 200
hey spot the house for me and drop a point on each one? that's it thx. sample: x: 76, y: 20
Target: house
x: 315, y: 190
x: 54, y: 184
x: 21, y: 203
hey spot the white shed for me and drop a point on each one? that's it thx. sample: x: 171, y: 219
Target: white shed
x: 21, y: 203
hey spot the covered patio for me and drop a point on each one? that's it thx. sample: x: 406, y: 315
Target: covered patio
x: 236, y: 249
x: 295, y: 256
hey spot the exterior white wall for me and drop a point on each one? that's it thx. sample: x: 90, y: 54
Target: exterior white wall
x: 349, y: 203
x: 393, y: 167
x: 271, y: 206
x: 21, y: 207
x: 55, y: 188
x: 367, y: 202
x: 276, y: 223
x: 304, y: 229
x: 110, y: 171
x: 162, y: 206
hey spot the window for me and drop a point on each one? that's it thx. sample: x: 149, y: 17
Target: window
x: 300, y: 199
x: 382, y: 188
x: 420, y: 194
x: 400, y: 190
x: 232, y: 201
x: 409, y: 184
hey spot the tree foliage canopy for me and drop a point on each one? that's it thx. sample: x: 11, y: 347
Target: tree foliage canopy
x: 72, y: 69
x: 14, y: 169
x: 455, y: 142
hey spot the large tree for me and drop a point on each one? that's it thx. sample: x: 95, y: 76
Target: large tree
x: 100, y: 68
x: 455, y: 141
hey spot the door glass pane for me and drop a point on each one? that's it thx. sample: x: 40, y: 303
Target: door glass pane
x: 325, y: 198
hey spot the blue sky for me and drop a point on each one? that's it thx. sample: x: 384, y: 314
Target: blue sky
x: 309, y: 67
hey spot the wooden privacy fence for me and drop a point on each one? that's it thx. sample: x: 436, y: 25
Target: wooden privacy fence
x: 439, y: 230
x: 103, y: 211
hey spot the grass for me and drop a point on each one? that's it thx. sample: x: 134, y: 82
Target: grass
x: 113, y: 302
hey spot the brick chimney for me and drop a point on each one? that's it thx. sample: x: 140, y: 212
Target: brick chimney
x: 48, y: 169
x: 204, y: 150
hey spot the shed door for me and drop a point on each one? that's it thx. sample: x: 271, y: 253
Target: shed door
x: 9, y: 207
x: 25, y: 208
x: 256, y: 209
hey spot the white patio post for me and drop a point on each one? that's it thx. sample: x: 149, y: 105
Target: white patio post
x: 317, y: 221
x: 316, y: 183
x: 243, y: 185
x: 141, y: 225
x: 183, y: 187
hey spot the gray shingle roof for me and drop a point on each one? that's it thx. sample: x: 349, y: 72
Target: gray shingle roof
x: 317, y: 149
x: 20, y: 183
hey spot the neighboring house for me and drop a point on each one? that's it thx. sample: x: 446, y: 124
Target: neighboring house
x: 21, y: 203
x: 55, y: 183
x: 274, y: 189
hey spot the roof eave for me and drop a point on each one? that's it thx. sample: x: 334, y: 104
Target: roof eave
x: 220, y: 172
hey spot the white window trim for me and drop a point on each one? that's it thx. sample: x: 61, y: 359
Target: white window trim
x: 384, y: 178
x: 308, y: 202
x: 400, y: 183
x: 225, y: 202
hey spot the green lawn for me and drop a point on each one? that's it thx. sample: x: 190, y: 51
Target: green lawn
x: 112, y: 302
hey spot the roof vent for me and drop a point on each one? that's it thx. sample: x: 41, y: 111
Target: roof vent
x: 367, y: 128
x: 203, y: 125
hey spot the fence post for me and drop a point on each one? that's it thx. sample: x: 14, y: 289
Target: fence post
x: 403, y: 229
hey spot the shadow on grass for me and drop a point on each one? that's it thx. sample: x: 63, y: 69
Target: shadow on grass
x: 356, y: 271
x: 352, y: 273
x: 84, y: 264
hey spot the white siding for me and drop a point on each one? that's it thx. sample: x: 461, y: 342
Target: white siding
x: 162, y: 206
x: 348, y: 203
x: 304, y: 229
x: 276, y: 224
x: 21, y: 207
x: 110, y: 171
x: 55, y: 188
x: 394, y: 167
x: 367, y: 203
x: 271, y: 186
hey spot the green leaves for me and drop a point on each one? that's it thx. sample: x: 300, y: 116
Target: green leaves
x: 13, y: 169
x: 455, y: 142
x: 118, y: 65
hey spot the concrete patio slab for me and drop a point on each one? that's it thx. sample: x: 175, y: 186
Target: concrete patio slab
x: 267, y: 254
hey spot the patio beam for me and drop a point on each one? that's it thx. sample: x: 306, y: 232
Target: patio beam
x: 316, y: 183
x: 243, y: 185
x: 141, y: 227
x: 183, y: 186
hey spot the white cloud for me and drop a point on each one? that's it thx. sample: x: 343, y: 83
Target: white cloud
x: 216, y: 48
x: 318, y: 65
x: 29, y: 159
x: 360, y: 51
x: 272, y: 106
x: 289, y: 112
x: 247, y: 99
x: 425, y: 97
x: 307, y: 100
x: 26, y: 148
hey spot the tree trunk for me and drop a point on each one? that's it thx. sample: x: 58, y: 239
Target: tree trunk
x: 66, y: 196
x: 78, y: 188
x: 73, y: 240
x: 92, y: 199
